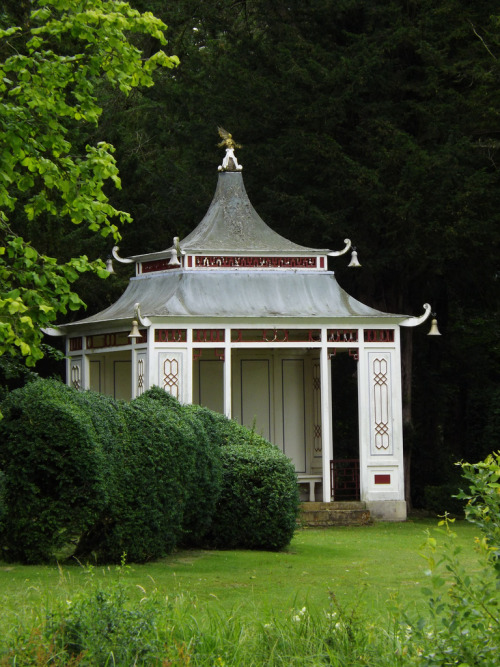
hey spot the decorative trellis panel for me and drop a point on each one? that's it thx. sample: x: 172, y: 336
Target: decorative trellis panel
x: 76, y: 372
x: 381, y: 435
x: 140, y: 377
x: 316, y: 395
x: 171, y: 373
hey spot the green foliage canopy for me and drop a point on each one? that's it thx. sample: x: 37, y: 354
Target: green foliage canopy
x: 50, y: 68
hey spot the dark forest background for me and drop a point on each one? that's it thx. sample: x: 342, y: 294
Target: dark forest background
x: 375, y: 120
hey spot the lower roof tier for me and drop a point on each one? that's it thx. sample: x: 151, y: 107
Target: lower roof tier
x: 234, y: 294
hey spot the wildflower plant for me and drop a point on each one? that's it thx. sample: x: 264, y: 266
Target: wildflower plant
x: 461, y: 623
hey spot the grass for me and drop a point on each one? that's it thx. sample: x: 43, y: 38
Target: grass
x: 363, y: 566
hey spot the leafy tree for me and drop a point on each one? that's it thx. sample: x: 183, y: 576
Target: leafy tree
x: 51, y: 67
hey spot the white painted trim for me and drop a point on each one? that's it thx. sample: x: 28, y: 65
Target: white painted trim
x: 326, y: 419
x: 228, y: 408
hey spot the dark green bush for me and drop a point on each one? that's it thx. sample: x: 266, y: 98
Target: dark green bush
x: 259, y: 502
x: 201, y: 471
x: 224, y: 431
x: 84, y: 474
x: 146, y: 511
x: 3, y: 507
x: 56, y: 473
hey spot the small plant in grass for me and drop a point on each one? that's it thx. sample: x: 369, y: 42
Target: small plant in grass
x: 483, y: 501
x: 462, y: 621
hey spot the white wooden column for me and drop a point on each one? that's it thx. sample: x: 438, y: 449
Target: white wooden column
x: 227, y: 374
x: 151, y: 363
x: 326, y: 416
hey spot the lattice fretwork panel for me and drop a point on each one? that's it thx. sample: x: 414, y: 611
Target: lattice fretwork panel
x: 380, y: 403
x: 316, y: 395
x: 171, y: 376
x: 141, y: 375
x: 76, y: 374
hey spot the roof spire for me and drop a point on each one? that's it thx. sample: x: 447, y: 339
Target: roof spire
x: 230, y: 163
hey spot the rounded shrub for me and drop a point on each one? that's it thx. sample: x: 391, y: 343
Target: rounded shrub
x: 55, y: 472
x: 201, y: 469
x: 223, y: 431
x: 259, y: 501
x: 144, y: 519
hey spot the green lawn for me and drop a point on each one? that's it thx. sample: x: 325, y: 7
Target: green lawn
x: 361, y: 565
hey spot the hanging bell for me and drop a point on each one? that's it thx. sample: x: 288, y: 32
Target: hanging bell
x: 135, y: 333
x: 434, y: 331
x: 109, y: 264
x: 354, y: 263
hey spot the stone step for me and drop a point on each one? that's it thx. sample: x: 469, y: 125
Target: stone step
x: 323, y: 515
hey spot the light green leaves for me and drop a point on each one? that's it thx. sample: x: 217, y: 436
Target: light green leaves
x: 45, y: 90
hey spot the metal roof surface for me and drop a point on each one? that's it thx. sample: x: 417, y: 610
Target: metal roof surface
x: 232, y: 225
x: 235, y: 294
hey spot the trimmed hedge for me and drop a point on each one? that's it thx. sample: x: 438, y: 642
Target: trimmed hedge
x: 85, y: 474
x: 259, y: 501
x: 55, y: 472
x: 201, y: 472
x: 144, y: 518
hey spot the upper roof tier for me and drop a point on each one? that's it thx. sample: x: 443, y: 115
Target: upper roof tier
x: 232, y: 226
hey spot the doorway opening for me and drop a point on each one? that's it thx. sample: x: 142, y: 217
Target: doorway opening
x: 345, y: 427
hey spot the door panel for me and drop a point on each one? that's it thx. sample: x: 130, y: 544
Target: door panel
x: 256, y: 396
x: 294, y: 436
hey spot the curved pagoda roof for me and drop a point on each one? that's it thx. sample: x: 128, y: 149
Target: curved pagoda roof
x: 291, y: 281
x: 232, y: 226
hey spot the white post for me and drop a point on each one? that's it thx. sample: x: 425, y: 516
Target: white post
x: 326, y: 417
x: 227, y: 374
x: 133, y: 378
x: 188, y: 393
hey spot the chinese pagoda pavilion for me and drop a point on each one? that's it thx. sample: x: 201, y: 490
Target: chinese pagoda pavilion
x: 239, y: 319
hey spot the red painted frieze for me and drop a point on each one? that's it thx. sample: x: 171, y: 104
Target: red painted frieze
x: 379, y: 335
x: 157, y: 265
x: 208, y: 335
x: 342, y: 335
x: 75, y: 344
x: 275, y: 335
x: 170, y: 336
x: 114, y: 339
x: 207, y: 261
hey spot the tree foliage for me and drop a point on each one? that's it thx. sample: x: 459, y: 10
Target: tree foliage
x: 50, y: 69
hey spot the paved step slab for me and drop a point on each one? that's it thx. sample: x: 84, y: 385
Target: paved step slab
x: 323, y: 515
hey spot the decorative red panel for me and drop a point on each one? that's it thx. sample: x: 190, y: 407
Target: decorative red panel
x: 114, y: 339
x: 75, y: 344
x: 342, y: 335
x: 208, y: 335
x: 208, y: 261
x: 379, y: 335
x: 157, y: 265
x: 170, y: 335
x: 275, y: 335
x: 382, y: 479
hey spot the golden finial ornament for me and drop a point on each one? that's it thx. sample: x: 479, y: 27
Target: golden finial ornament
x: 230, y: 163
x: 227, y: 139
